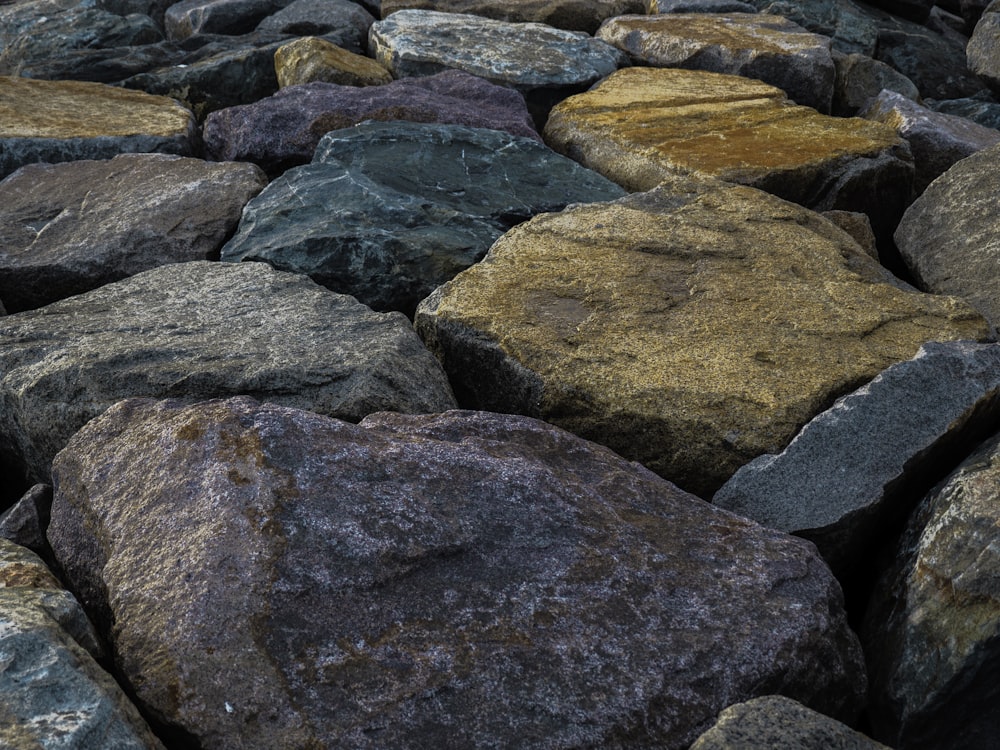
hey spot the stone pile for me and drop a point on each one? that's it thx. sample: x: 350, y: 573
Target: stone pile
x: 467, y: 373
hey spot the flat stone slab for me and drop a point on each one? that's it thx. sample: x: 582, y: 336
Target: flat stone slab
x: 311, y: 58
x: 755, y: 45
x: 201, y: 330
x: 281, y: 580
x: 575, y: 15
x: 55, y: 121
x: 691, y: 328
x: 72, y: 227
x: 390, y: 211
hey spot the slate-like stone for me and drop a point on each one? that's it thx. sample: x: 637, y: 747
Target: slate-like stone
x: 775, y: 721
x: 935, y: 64
x: 200, y: 330
x: 983, y: 51
x: 190, y: 17
x: 453, y: 580
x: 851, y: 27
x: 72, y: 227
x: 934, y: 628
x: 859, y: 226
x: 311, y: 58
x: 55, y: 121
x: 283, y: 130
x: 390, y: 211
x: 984, y: 111
x: 860, y: 78
x: 756, y: 45
x: 699, y: 6
x: 341, y: 22
x: 641, y: 126
x: 574, y: 15
x: 25, y: 522
x: 950, y: 236
x: 852, y: 469
x: 691, y: 328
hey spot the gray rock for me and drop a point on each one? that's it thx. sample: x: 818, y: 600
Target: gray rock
x: 775, y: 721
x: 936, y: 140
x: 199, y: 330
x: 342, y: 22
x: 574, y: 15
x: 25, y: 522
x: 699, y: 6
x: 860, y: 78
x: 858, y: 226
x: 390, y: 211
x: 933, y: 631
x: 984, y: 111
x: 455, y: 580
x: 983, y: 50
x: 950, y: 236
x: 190, y: 17
x: 850, y: 26
x: 850, y: 470
x: 72, y: 227
x: 934, y: 63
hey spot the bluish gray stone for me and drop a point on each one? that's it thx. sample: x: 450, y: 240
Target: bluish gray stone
x: 341, y: 22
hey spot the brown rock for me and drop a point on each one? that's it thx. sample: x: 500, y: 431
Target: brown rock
x: 311, y: 59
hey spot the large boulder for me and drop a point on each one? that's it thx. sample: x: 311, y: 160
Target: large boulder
x: 860, y: 79
x: 199, y: 330
x: 984, y: 47
x: 691, y: 328
x: 277, y: 579
x: 575, y: 15
x: 311, y: 58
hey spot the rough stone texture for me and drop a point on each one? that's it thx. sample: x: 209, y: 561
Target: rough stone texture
x: 850, y: 26
x: 983, y: 51
x: 341, y: 22
x: 932, y: 632
x: 453, y: 580
x: 641, y: 126
x: 691, y: 328
x: 984, y: 111
x: 54, y: 693
x: 950, y: 236
x: 283, y: 130
x: 390, y: 211
x: 69, y: 228
x: 56, y: 121
x: 574, y: 15
x: 25, y: 522
x: 778, y: 722
x: 841, y: 479
x: 858, y: 226
x: 936, y: 65
x: 860, y: 79
x: 756, y: 45
x: 698, y: 6
x: 313, y: 59
x: 191, y: 17
x: 199, y: 330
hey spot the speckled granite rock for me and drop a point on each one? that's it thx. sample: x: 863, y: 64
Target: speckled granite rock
x: 984, y: 47
x: 340, y: 22
x: 311, y: 59
x: 861, y: 78
x: 25, y: 522
x: 575, y: 15
x: 190, y: 17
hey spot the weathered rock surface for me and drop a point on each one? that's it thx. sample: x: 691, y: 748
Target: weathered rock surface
x: 341, y: 22
x: 984, y: 110
x: 858, y: 226
x: 390, y: 211
x: 574, y: 15
x: 641, y: 126
x: 25, y: 522
x: 655, y: 7
x: 72, y: 227
x: 638, y: 324
x: 283, y: 130
x: 984, y: 47
x: 950, y: 236
x: 311, y: 58
x: 462, y: 579
x: 56, y: 121
x: 935, y: 64
x: 190, y: 17
x: 933, y: 631
x: 199, y: 330
x: 775, y: 721
x: 756, y: 45
x: 841, y: 480
x: 860, y: 79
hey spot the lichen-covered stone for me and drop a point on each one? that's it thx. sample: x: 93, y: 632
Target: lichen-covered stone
x: 574, y: 15
x: 280, y: 580
x: 311, y: 59
x: 690, y: 328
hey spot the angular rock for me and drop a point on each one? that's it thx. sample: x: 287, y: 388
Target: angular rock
x: 858, y: 226
x: 641, y: 126
x: 55, y: 121
x: 851, y: 27
x: 699, y: 6
x: 200, y: 330
x: 756, y: 45
x: 191, y: 17
x: 573, y: 15
x: 638, y: 324
x: 25, y: 522
x: 932, y: 633
x: 842, y: 480
x: 543, y: 63
x: 341, y: 22
x: 984, y: 48
x: 72, y: 227
x: 935, y: 64
x: 312, y: 59
x: 283, y: 130
x: 776, y: 721
x: 453, y: 580
x: 984, y: 111
x: 390, y: 211
x: 950, y: 236
x: 860, y: 79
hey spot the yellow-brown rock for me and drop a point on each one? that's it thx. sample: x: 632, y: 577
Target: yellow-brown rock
x: 311, y: 59
x: 691, y: 328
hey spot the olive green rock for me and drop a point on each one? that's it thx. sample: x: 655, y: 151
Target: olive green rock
x: 312, y: 58
x: 690, y: 328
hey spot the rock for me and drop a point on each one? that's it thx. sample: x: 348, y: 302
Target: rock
x: 949, y: 236
x: 699, y: 6
x: 806, y: 491
x: 936, y: 65
x: 983, y: 111
x: 190, y: 17
x: 72, y: 227
x: 851, y: 27
x: 983, y: 51
x: 57, y: 121
x: 858, y: 226
x: 453, y: 580
x: 283, y: 130
x: 756, y: 45
x: 861, y: 78
x: 543, y: 63
x: 200, y: 330
x: 932, y: 630
x: 641, y: 126
x: 313, y: 59
x: 54, y: 693
x: 341, y: 22
x: 390, y: 211
x: 638, y: 324
x: 776, y: 721
x: 574, y: 15
x: 25, y: 522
